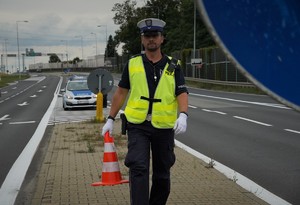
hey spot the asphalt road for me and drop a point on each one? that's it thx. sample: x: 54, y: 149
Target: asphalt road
x: 251, y: 134
x: 22, y: 105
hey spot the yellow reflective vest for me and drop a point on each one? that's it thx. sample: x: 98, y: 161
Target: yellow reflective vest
x: 164, y: 110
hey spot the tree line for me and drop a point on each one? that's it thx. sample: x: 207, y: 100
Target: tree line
x: 179, y: 30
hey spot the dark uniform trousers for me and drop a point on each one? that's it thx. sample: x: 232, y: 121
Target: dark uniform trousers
x: 142, y: 138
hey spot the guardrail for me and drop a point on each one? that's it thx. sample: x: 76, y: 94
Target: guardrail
x: 219, y: 82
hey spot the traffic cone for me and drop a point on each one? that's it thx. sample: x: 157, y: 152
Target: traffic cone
x: 111, y: 174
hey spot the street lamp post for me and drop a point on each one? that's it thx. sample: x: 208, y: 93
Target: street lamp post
x: 194, y: 46
x: 81, y: 45
x: 17, y: 24
x: 96, y: 47
x: 66, y: 51
x: 96, y: 42
x: 105, y: 51
x: 6, y: 65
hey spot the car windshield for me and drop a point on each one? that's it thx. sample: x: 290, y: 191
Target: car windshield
x: 77, y: 85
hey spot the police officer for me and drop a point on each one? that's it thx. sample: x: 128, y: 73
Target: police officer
x: 156, y: 110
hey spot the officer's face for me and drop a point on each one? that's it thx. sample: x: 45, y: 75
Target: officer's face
x: 152, y: 41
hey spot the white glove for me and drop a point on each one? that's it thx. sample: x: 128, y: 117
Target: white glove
x: 109, y: 125
x: 180, y: 124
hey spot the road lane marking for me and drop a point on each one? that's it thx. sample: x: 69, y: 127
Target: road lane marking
x: 5, y: 117
x: 294, y: 131
x: 40, y: 80
x: 19, y: 123
x: 240, y: 179
x: 214, y: 111
x: 24, y: 103
x: 191, y: 106
x: 14, y: 179
x: 243, y: 101
x: 254, y: 121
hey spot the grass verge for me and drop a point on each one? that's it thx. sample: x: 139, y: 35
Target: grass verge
x: 6, y: 79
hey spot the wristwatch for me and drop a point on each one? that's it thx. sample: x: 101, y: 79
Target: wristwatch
x: 184, y: 113
x: 110, y: 117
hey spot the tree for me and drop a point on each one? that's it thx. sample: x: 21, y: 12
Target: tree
x: 126, y: 17
x: 54, y: 58
x: 179, y: 31
x: 76, y: 60
x: 110, y: 50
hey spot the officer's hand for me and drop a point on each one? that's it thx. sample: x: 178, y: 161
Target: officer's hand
x: 109, y: 125
x: 180, y: 124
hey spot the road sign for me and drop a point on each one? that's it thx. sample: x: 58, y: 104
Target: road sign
x: 262, y: 38
x: 100, y: 80
x: 196, y: 61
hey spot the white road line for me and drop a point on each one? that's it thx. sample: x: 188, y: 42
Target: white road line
x: 243, y: 101
x: 191, y: 106
x: 23, y: 104
x: 254, y: 121
x: 214, y: 111
x: 19, y: 123
x: 241, y: 180
x: 5, y: 117
x: 14, y: 179
x: 294, y: 131
x: 40, y: 79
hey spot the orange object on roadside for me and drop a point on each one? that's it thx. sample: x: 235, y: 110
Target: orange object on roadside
x: 111, y: 174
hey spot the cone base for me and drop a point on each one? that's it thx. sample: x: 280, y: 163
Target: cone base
x: 109, y: 183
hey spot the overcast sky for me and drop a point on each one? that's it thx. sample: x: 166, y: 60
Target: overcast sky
x: 53, y: 24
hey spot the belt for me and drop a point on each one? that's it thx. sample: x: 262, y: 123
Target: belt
x: 149, y: 117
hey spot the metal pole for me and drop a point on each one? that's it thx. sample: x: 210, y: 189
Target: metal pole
x: 194, y: 49
x: 105, y: 52
x: 96, y: 48
x: 5, y: 55
x: 18, y: 46
x: 18, y: 43
x: 81, y: 45
x: 66, y: 51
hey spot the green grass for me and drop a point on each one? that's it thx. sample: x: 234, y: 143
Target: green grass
x: 6, y: 79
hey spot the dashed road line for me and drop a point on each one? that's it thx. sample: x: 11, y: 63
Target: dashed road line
x: 19, y: 123
x: 243, y: 101
x: 254, y: 121
x: 191, y: 106
x: 214, y: 111
x: 293, y: 131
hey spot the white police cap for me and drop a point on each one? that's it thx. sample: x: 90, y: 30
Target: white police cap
x: 151, y: 24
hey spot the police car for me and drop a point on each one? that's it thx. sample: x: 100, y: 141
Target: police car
x: 77, y: 94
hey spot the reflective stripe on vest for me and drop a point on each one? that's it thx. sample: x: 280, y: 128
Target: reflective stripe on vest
x: 164, y: 113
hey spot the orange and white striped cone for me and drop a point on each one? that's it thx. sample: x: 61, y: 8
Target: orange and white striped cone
x: 111, y: 174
